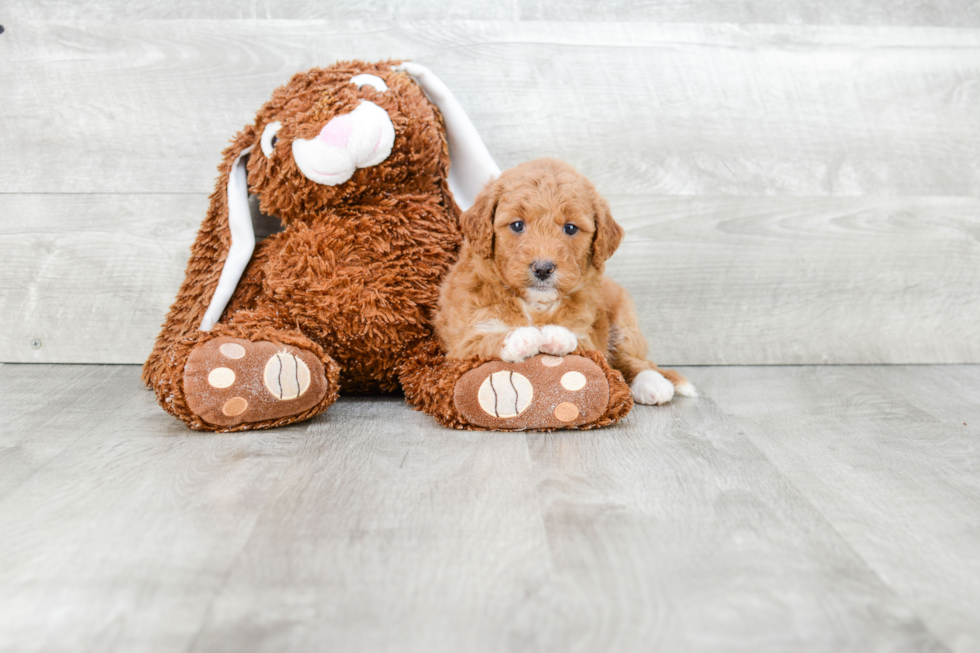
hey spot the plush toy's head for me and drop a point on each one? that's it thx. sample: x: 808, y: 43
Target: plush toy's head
x: 341, y: 135
x: 341, y: 141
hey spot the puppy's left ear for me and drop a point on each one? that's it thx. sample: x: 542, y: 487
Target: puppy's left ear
x: 608, y: 234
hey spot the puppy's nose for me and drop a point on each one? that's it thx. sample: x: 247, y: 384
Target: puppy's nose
x: 542, y: 269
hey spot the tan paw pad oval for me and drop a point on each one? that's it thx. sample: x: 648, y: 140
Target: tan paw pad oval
x: 551, y: 361
x: 286, y: 377
x: 573, y: 381
x: 234, y: 406
x: 505, y: 394
x: 566, y: 412
x: 232, y: 350
x: 221, y: 377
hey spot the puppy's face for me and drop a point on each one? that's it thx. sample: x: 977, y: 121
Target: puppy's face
x: 545, y: 227
x: 543, y: 238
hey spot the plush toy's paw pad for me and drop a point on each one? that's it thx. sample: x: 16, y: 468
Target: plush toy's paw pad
x: 651, y: 388
x: 543, y: 392
x: 230, y: 381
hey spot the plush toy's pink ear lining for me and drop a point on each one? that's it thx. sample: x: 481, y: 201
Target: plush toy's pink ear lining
x: 242, y: 240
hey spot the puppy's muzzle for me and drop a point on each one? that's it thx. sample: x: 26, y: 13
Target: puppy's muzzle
x: 542, y: 269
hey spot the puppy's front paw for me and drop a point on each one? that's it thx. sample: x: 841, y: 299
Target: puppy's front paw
x: 521, y: 343
x: 557, y: 340
x: 651, y: 388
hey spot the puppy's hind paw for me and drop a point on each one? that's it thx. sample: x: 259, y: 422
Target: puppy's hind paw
x: 651, y: 388
x: 521, y: 343
x: 686, y: 389
x: 557, y: 340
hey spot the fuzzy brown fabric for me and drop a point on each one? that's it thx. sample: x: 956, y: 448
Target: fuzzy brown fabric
x: 354, y: 277
x: 429, y: 379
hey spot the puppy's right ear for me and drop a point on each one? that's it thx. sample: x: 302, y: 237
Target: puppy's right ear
x: 477, y: 221
x: 608, y: 233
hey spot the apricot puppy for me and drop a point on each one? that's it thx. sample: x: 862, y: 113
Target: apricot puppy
x: 529, y: 280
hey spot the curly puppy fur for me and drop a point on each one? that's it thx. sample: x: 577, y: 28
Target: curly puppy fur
x: 354, y: 276
x: 530, y: 279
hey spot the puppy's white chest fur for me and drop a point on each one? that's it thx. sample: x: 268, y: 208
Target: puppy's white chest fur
x: 542, y: 301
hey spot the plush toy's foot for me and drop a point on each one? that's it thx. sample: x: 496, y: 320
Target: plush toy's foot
x: 231, y: 381
x: 543, y: 392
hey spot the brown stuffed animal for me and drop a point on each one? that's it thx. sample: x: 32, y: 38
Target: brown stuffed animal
x: 354, y: 161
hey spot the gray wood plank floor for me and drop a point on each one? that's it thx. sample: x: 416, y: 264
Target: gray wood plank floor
x: 787, y: 509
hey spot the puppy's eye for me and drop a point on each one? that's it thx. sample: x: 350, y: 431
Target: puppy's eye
x: 571, y: 229
x: 517, y: 227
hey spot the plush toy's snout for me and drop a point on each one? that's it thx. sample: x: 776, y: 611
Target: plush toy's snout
x: 359, y: 139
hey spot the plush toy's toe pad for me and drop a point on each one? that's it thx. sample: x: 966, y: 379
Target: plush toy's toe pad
x: 543, y: 392
x: 230, y: 381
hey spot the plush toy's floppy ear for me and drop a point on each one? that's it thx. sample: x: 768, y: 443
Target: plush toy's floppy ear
x: 477, y: 221
x: 242, y: 239
x: 215, y: 237
x: 471, y: 164
x: 608, y: 233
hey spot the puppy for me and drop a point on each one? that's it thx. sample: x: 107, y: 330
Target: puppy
x: 529, y: 279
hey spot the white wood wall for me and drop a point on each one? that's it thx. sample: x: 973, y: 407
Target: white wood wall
x: 799, y: 181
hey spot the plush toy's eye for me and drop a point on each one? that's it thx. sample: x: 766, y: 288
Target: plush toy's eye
x: 517, y: 227
x: 269, y: 137
x: 571, y: 229
x: 369, y: 80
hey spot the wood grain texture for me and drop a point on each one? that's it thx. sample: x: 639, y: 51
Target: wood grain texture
x: 803, y: 280
x: 715, y: 280
x: 373, y: 529
x: 954, y: 13
x: 392, y: 534
x: 146, y: 106
x: 890, y: 457
x: 122, y: 525
x: 676, y: 534
x: 73, y: 400
x: 845, y: 154
x: 90, y: 277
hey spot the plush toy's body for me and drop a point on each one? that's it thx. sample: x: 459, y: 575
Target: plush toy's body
x: 354, y: 161
x: 360, y: 278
